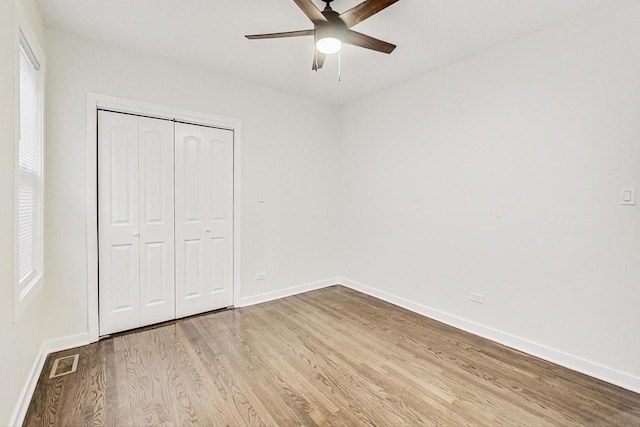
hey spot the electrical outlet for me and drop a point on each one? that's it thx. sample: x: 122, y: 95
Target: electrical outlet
x: 475, y: 297
x: 261, y: 276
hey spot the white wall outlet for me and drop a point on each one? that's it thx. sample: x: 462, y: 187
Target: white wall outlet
x: 628, y: 195
x: 261, y: 276
x: 475, y: 297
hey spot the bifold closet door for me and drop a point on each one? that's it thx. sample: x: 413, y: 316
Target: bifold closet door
x: 135, y: 216
x: 203, y: 218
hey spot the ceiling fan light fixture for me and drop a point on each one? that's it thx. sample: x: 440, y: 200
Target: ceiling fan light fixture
x: 329, y: 45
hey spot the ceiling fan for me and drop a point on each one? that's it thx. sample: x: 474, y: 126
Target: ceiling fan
x: 331, y: 29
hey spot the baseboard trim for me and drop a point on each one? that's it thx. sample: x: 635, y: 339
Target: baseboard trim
x: 47, y: 347
x: 66, y: 343
x: 17, y: 418
x: 592, y: 369
x: 282, y: 293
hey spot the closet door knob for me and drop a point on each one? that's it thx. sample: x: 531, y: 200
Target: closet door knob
x: 208, y: 230
x: 136, y: 234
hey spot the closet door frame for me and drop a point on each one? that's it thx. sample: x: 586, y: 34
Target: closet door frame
x: 99, y: 101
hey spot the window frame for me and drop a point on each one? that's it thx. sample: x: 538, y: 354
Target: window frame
x: 26, y: 290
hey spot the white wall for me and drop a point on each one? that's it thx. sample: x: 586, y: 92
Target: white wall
x: 500, y: 175
x: 287, y: 152
x: 22, y: 339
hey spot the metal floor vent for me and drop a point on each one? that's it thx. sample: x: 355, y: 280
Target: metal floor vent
x: 64, y: 365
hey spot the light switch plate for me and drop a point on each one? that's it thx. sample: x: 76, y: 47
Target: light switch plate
x: 628, y: 195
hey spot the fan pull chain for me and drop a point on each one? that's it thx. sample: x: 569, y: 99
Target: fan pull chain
x: 339, y: 66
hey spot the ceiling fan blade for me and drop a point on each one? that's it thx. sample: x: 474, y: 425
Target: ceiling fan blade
x: 310, y: 10
x: 364, y: 10
x: 280, y: 35
x: 361, y: 40
x: 318, y: 61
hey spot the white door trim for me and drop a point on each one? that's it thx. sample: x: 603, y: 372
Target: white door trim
x: 95, y: 101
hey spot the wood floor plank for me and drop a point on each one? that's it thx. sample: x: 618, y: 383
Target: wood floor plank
x: 330, y: 357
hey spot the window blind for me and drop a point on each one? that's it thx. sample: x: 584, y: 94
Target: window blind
x: 29, y: 173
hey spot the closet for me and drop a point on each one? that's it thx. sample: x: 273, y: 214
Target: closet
x: 165, y: 220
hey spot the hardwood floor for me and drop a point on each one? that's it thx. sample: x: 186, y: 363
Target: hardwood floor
x: 328, y: 357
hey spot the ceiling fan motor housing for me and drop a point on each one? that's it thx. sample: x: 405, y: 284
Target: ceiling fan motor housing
x: 332, y: 27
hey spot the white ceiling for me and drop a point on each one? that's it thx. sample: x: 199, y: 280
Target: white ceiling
x: 210, y: 33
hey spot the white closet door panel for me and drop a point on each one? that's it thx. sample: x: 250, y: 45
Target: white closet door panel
x: 118, y: 215
x: 191, y: 271
x: 124, y: 277
x: 220, y: 215
x: 193, y: 178
x: 157, y: 295
x: 204, y: 211
x: 190, y: 225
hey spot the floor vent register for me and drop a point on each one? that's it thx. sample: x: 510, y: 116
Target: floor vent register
x: 64, y: 365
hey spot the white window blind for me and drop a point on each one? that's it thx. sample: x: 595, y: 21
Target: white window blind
x: 29, y: 171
